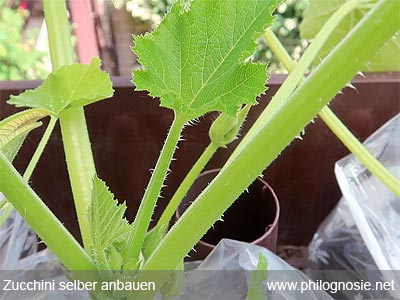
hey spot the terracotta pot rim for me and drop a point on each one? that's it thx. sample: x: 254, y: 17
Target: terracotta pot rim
x: 271, y: 226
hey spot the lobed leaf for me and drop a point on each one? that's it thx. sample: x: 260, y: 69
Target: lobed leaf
x: 196, y: 60
x: 70, y: 86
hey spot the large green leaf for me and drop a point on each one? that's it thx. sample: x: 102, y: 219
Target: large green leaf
x: 196, y: 60
x: 319, y: 11
x: 70, y: 86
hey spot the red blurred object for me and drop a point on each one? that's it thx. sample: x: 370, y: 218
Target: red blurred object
x: 23, y: 5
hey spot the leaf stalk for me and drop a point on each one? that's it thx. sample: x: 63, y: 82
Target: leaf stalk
x: 186, y: 184
x: 146, y: 208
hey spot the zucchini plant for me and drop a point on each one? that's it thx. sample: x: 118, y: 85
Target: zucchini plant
x: 198, y: 60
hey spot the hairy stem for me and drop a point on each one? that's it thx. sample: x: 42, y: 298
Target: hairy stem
x: 145, y: 212
x: 186, y: 184
x: 223, y: 131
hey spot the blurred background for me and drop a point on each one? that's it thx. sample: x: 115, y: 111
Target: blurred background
x: 104, y: 28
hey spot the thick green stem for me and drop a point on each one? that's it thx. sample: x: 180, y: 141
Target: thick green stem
x: 74, y: 131
x: 59, y: 36
x: 265, y: 144
x: 41, y: 219
x: 359, y: 151
x: 333, y: 122
x: 186, y: 184
x: 145, y: 212
x: 80, y: 164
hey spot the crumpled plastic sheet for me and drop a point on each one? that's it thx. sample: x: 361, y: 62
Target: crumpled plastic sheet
x: 231, y: 258
x: 17, y: 240
x: 19, y: 253
x: 362, y: 234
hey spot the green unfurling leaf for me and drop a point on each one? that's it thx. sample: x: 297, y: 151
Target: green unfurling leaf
x: 70, y: 86
x: 319, y: 11
x: 15, y: 128
x: 108, y: 227
x: 196, y: 61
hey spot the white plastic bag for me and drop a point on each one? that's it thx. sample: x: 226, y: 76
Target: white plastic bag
x: 362, y: 234
x: 225, y: 275
x: 20, y: 261
x: 17, y: 241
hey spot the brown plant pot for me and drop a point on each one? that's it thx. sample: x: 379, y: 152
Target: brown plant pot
x: 253, y: 217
